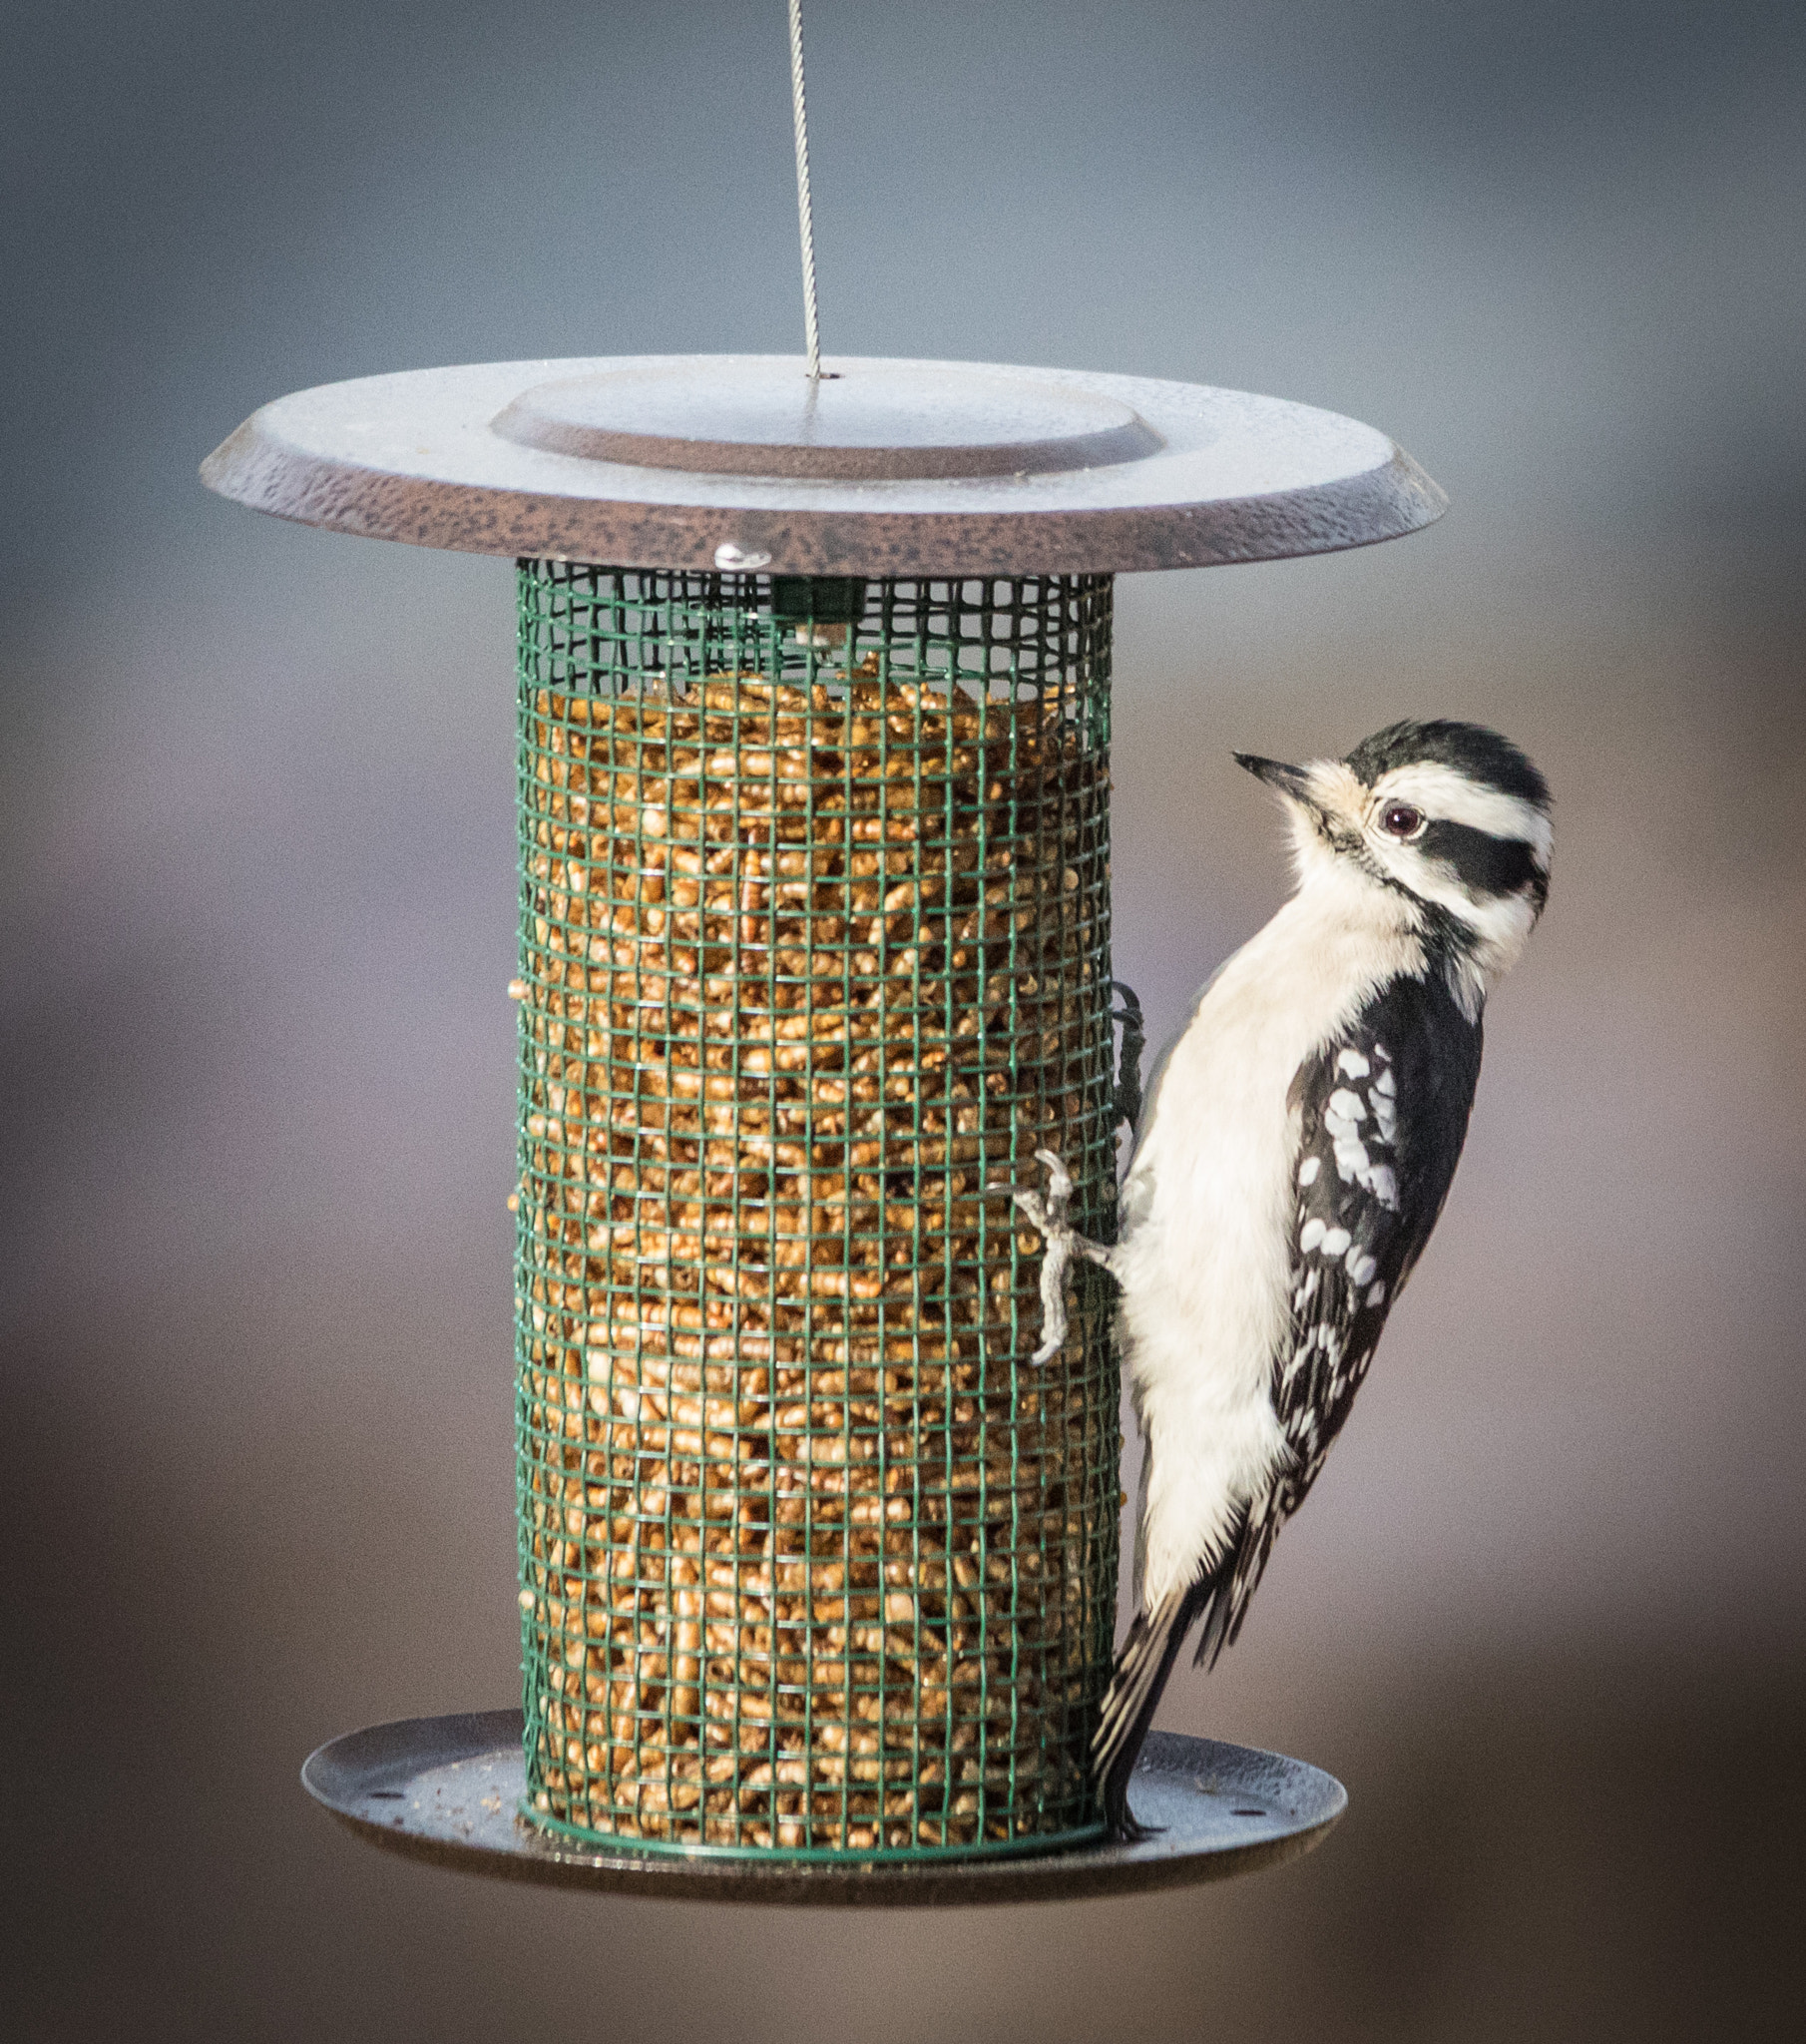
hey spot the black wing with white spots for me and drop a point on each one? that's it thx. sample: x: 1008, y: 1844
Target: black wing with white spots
x: 1384, y: 1112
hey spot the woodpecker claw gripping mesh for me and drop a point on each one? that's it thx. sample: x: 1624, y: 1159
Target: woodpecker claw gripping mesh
x: 815, y: 950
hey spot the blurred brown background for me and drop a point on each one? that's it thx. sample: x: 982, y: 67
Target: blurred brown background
x: 1544, y: 1613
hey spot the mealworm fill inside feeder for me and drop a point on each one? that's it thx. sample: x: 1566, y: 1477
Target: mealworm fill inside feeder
x: 814, y: 948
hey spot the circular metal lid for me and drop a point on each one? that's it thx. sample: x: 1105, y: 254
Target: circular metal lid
x: 890, y: 468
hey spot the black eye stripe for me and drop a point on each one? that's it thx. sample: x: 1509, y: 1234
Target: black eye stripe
x: 1483, y: 864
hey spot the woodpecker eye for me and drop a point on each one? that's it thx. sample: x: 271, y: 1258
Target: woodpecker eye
x: 1399, y: 820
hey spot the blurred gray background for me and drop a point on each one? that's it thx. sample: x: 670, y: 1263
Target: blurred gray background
x: 1544, y: 1613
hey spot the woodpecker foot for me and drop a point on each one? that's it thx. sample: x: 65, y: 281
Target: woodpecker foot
x: 1125, y: 1829
x: 1127, y: 1101
x: 1059, y: 1245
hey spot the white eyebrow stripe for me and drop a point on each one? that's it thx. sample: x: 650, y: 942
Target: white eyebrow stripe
x: 1440, y: 791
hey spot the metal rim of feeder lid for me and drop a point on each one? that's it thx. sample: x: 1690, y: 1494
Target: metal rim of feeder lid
x: 884, y: 468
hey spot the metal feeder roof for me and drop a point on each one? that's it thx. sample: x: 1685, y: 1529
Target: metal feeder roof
x: 883, y: 468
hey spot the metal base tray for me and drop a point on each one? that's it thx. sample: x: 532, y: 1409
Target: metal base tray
x: 449, y: 1790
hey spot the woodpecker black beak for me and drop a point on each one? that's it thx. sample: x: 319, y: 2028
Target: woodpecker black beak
x: 1292, y: 781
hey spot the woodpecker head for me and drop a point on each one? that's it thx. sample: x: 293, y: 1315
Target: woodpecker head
x: 1449, y: 818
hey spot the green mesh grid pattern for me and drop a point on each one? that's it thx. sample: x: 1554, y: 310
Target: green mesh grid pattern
x: 814, y: 948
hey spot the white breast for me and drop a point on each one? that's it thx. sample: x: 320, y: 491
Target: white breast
x: 1205, y: 1248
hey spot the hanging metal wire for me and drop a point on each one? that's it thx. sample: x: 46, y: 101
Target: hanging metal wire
x: 814, y: 948
x: 805, y: 211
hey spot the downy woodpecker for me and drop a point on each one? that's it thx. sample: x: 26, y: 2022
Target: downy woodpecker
x: 1292, y: 1153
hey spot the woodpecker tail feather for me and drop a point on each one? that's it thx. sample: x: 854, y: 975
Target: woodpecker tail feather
x: 1240, y: 1575
x: 1135, y: 1684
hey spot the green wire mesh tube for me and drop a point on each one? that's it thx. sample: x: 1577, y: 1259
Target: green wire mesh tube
x: 814, y: 950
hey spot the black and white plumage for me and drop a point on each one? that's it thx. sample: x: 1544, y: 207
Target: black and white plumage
x: 1296, y: 1144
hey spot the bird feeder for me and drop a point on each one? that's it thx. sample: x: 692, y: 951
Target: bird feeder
x: 817, y: 1569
